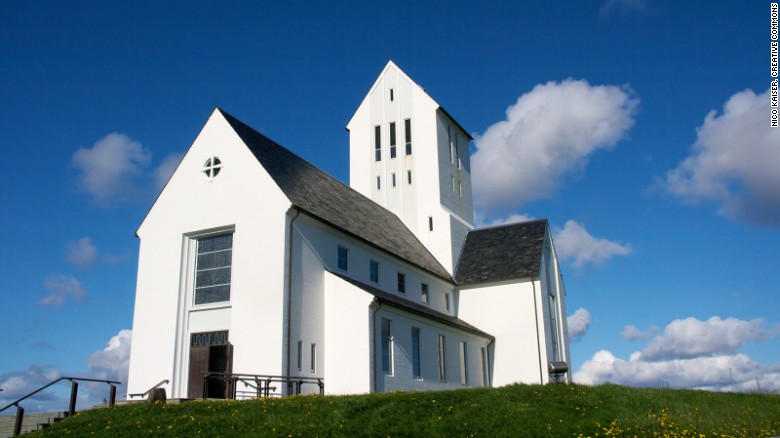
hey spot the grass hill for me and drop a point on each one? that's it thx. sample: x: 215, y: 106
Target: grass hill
x: 513, y: 411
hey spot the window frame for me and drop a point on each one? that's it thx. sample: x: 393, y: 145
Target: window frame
x: 464, y: 363
x: 377, y: 143
x: 393, y: 141
x: 401, y: 278
x: 373, y: 273
x: 386, y: 339
x: 408, y: 135
x: 425, y: 293
x: 343, y: 251
x: 199, y: 257
x: 442, y: 350
x: 416, y: 362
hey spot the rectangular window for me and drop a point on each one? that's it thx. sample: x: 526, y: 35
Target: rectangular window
x: 485, y: 369
x: 424, y: 292
x: 377, y: 143
x: 213, y: 269
x: 457, y: 153
x: 409, y: 176
x: 430, y: 223
x: 408, y: 132
x: 447, y: 301
x: 387, y: 345
x: 393, y: 179
x: 464, y: 363
x: 300, y: 355
x: 313, y: 358
x: 416, y: 371
x: 374, y: 271
x: 452, y: 182
x: 378, y: 183
x: 460, y: 189
x: 392, y: 95
x: 343, y: 258
x: 442, y: 358
x: 402, y: 282
x: 392, y: 140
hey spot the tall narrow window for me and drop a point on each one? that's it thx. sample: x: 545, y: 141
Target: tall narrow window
x: 424, y: 292
x: 392, y: 95
x: 378, y: 183
x: 452, y: 182
x: 393, y: 179
x: 374, y: 271
x: 464, y: 363
x: 387, y: 345
x: 300, y: 355
x: 430, y: 223
x: 457, y: 153
x: 408, y: 134
x: 460, y: 189
x: 402, y: 282
x: 409, y: 176
x: 343, y: 258
x: 377, y: 143
x: 450, y: 144
x: 416, y: 371
x: 485, y: 369
x: 313, y: 358
x: 447, y: 301
x: 553, y: 326
x: 392, y: 140
x: 213, y: 268
x: 442, y: 358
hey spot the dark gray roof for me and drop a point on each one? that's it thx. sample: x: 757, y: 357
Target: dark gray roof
x: 412, y: 307
x: 331, y: 201
x: 506, y: 252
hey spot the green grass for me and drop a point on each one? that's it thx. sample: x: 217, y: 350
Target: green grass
x: 514, y: 411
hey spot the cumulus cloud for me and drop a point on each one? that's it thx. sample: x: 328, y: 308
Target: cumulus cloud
x: 115, y: 169
x: 733, y: 162
x: 688, y: 355
x: 690, y: 337
x: 113, y: 361
x: 60, y: 288
x: 111, y: 168
x: 164, y: 171
x: 575, y: 243
x: 547, y: 134
x: 632, y: 333
x: 578, y: 324
x: 82, y: 253
x: 17, y: 384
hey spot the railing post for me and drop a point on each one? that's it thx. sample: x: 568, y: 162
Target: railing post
x: 18, y: 422
x: 112, y: 396
x: 74, y: 390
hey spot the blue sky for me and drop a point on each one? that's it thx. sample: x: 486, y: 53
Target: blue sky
x: 639, y: 128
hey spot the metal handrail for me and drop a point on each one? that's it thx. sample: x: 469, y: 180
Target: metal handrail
x: 263, y: 382
x: 70, y: 379
x: 163, y: 382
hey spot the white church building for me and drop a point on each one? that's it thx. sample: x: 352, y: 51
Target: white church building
x: 253, y: 261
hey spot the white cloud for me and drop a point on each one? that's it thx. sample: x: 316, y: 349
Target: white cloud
x: 60, y: 288
x: 690, y: 355
x: 113, y: 361
x: 690, y: 337
x: 578, y: 323
x: 632, y: 333
x: 164, y: 171
x: 548, y: 133
x: 575, y: 243
x: 734, y: 162
x: 110, y: 170
x: 82, y: 253
x: 17, y: 384
x: 511, y: 219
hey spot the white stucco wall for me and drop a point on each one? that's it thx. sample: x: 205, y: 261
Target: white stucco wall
x: 508, y: 311
x: 239, y: 198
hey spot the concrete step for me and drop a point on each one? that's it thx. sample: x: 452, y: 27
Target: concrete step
x: 31, y: 421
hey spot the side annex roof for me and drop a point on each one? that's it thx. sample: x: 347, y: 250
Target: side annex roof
x: 412, y: 307
x: 331, y: 201
x: 501, y: 253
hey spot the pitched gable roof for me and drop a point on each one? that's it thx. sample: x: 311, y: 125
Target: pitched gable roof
x: 506, y: 252
x: 331, y: 201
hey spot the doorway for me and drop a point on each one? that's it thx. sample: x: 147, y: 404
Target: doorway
x: 210, y: 353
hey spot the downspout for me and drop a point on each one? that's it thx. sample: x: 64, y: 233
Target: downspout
x: 538, y: 344
x: 490, y: 375
x: 289, y: 290
x: 373, y: 340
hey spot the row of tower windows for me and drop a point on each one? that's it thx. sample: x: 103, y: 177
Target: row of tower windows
x: 393, y: 139
x: 394, y: 180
